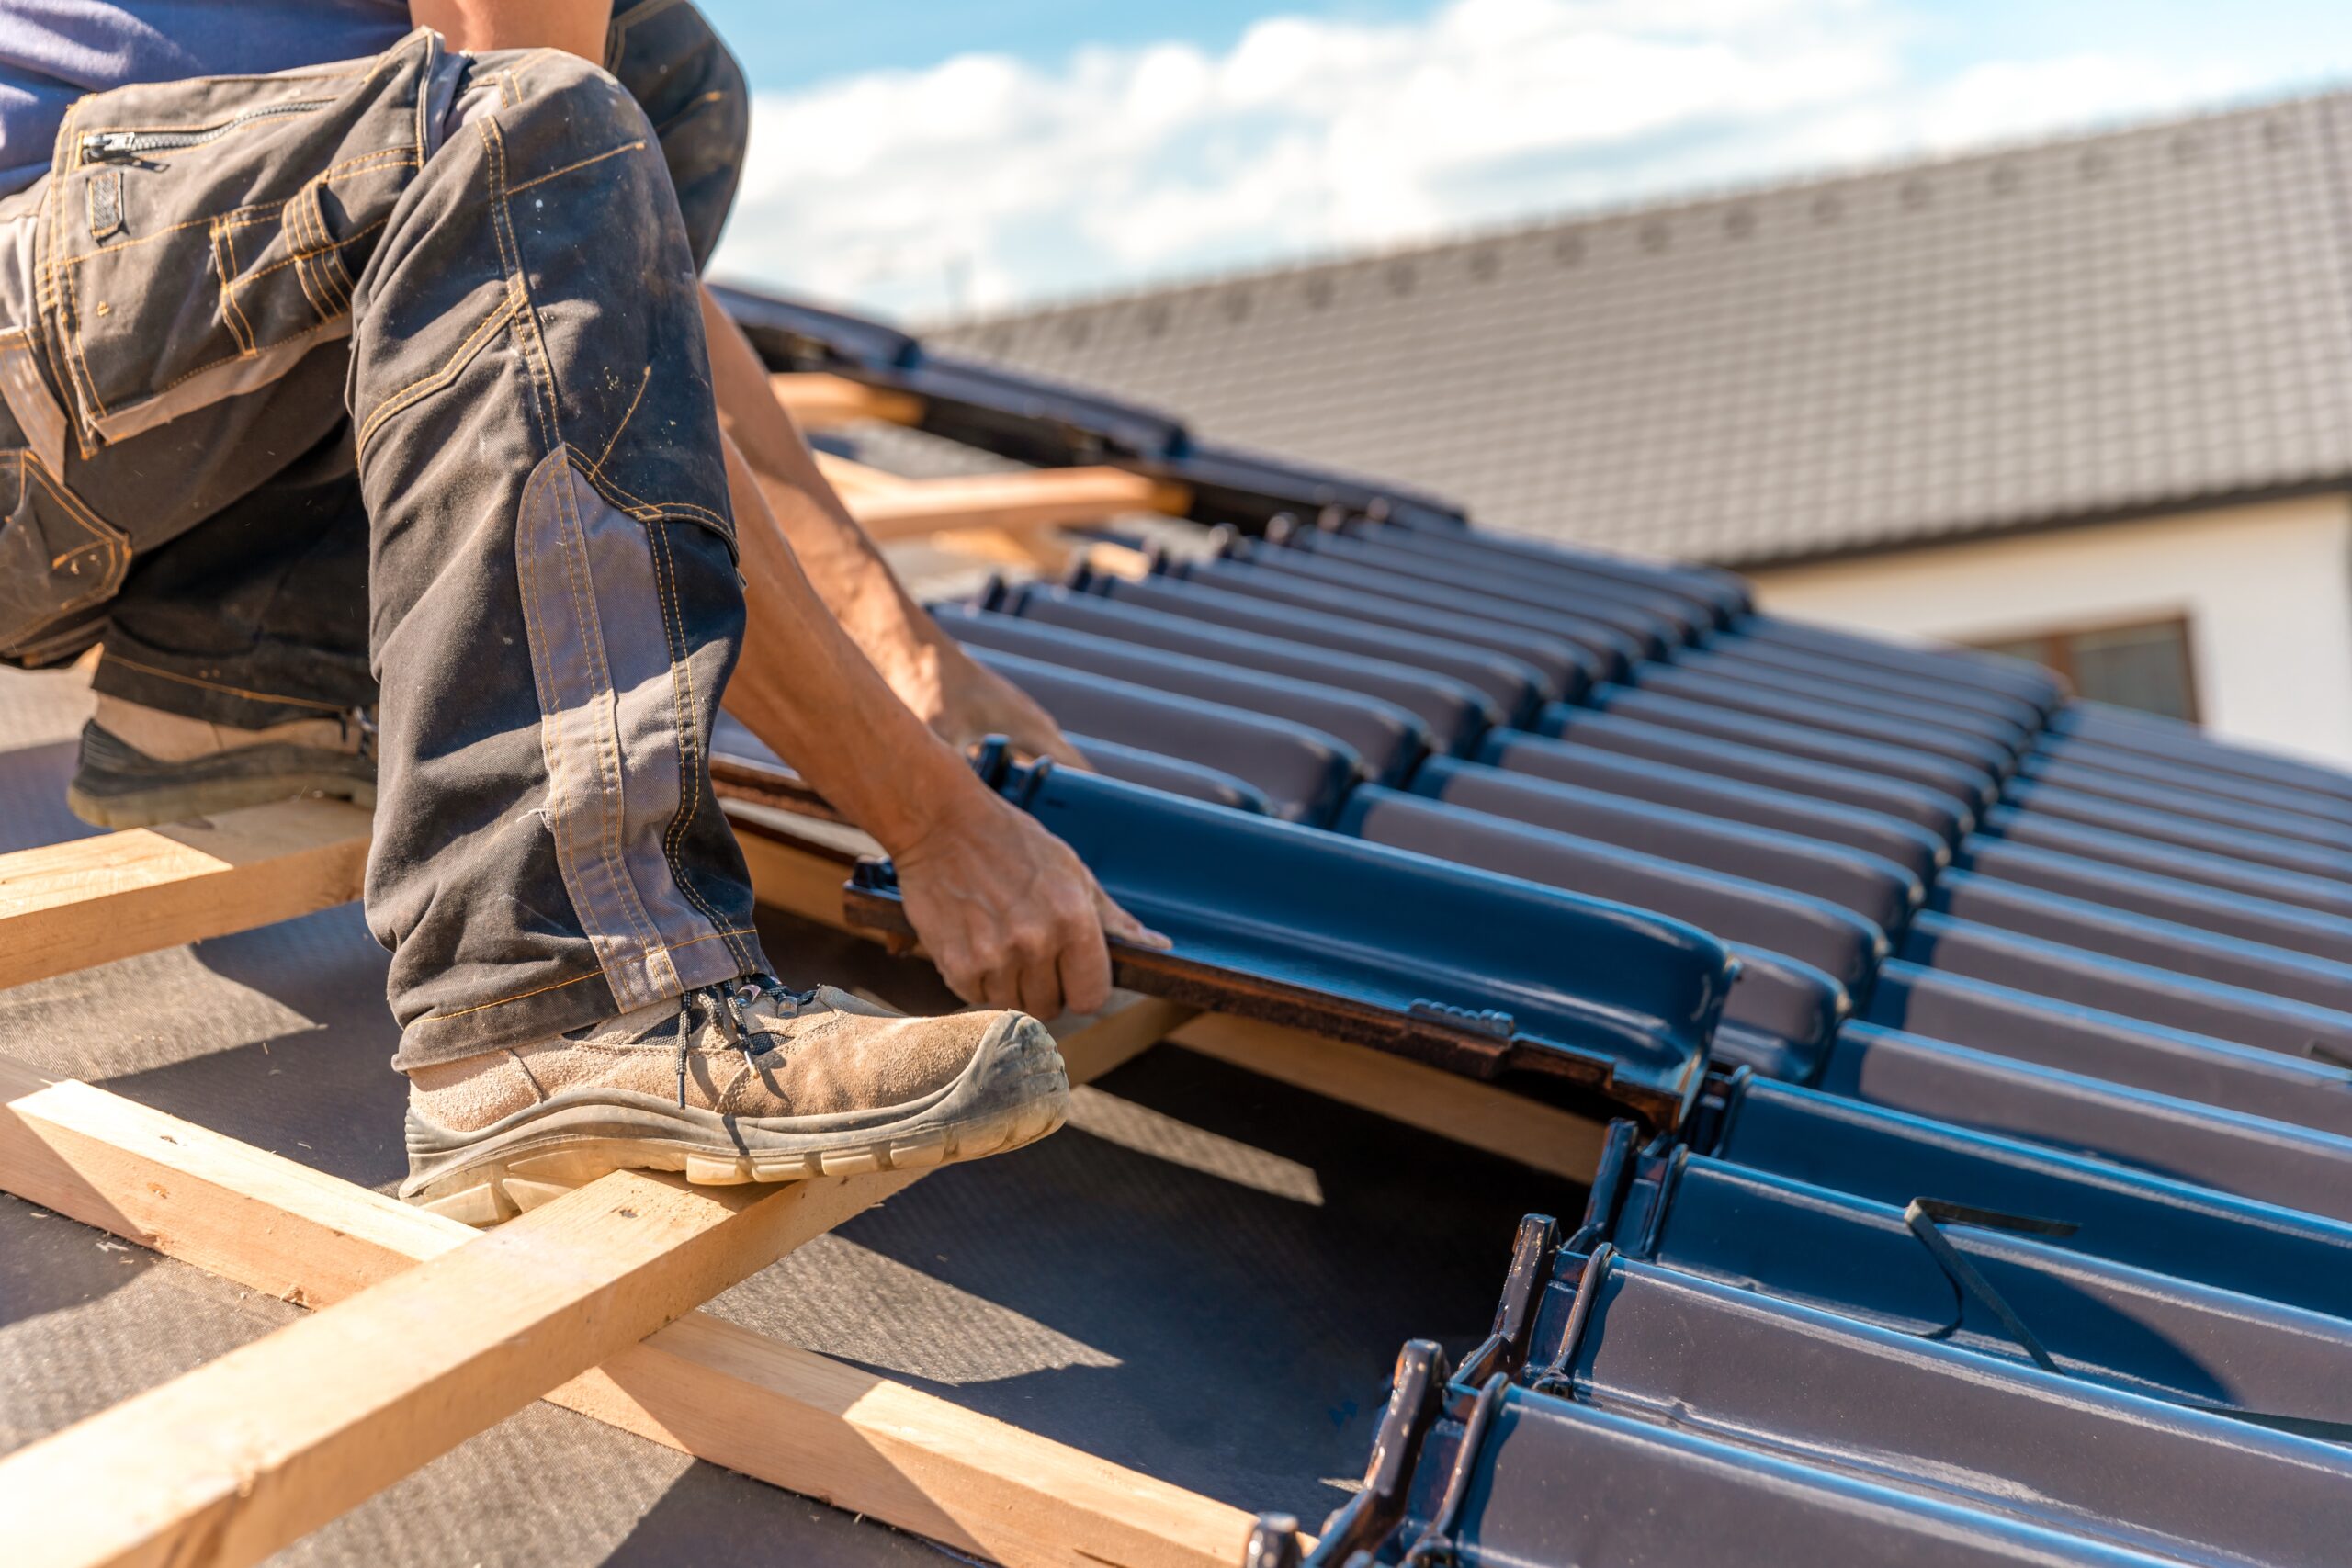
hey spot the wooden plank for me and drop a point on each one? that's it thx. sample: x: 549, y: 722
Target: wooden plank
x: 65, y: 907
x: 786, y: 876
x: 850, y: 477
x: 818, y: 400
x: 1039, y: 498
x: 1464, y: 1110
x: 89, y: 901
x: 1042, y: 550
x: 799, y: 864
x: 1118, y: 560
x: 256, y: 1448
x: 706, y: 1387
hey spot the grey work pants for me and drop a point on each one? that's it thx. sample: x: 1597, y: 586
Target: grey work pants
x: 409, y: 349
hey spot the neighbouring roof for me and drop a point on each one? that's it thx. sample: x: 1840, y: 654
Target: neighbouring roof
x: 2099, y: 326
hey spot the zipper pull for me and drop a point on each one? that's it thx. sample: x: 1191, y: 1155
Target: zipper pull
x: 107, y: 146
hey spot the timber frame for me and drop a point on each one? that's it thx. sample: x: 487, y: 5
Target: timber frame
x: 428, y: 1332
x: 1010, y: 518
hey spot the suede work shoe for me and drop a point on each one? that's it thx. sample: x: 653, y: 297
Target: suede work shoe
x: 141, y: 766
x: 745, y: 1082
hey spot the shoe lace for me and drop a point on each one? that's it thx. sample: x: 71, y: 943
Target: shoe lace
x: 729, y: 1006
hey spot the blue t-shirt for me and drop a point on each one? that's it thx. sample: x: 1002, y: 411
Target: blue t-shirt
x: 52, y: 51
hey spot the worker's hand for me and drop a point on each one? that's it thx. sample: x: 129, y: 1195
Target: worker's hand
x: 1009, y: 913
x: 964, y: 702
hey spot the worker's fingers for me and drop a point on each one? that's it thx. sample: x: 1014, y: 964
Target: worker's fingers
x: 1033, y: 733
x: 1118, y: 924
x: 1000, y: 967
x: 1056, y: 746
x: 1040, y: 984
x: 952, y: 954
x: 1001, y: 988
x: 1085, y: 967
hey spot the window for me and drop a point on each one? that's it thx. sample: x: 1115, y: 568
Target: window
x: 2143, y: 666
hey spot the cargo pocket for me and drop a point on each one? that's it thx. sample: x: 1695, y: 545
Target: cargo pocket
x: 59, y: 565
x: 201, y: 236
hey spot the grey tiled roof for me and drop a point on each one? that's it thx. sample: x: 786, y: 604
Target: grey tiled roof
x: 2103, y: 324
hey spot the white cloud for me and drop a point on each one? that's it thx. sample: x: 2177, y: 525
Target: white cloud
x: 983, y: 181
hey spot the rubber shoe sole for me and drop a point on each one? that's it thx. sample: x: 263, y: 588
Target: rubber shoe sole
x: 116, y: 785
x: 180, y: 802
x: 1013, y: 1091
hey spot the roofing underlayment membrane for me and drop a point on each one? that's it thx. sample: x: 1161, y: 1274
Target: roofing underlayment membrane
x: 1977, y: 1061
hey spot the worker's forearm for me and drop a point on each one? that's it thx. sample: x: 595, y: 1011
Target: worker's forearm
x: 842, y: 564
x: 810, y: 693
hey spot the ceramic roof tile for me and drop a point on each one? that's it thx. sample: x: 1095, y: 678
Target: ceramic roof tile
x: 2099, y: 324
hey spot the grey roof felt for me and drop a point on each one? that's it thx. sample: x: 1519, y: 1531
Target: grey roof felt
x: 1204, y: 1276
x: 2098, y: 326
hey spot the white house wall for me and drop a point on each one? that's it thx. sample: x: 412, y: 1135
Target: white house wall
x: 2267, y: 590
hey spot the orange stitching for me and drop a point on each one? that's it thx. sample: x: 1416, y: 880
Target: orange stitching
x: 81, y: 352
x: 510, y: 250
x: 60, y: 305
x: 691, y: 779
x: 643, y: 381
x: 302, y: 277
x: 635, y: 146
x: 225, y: 258
x: 717, y: 94
x: 302, y: 219
x: 519, y: 996
x: 311, y: 253
x: 605, y: 840
x: 657, y: 544
x: 558, y: 823
x: 450, y: 369
x: 611, y: 771
x: 576, y: 979
x: 245, y: 216
x: 337, y: 273
x: 103, y: 533
x: 233, y: 358
x: 646, y: 510
x: 114, y: 658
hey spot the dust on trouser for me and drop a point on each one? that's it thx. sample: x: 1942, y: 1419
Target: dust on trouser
x: 242, y: 313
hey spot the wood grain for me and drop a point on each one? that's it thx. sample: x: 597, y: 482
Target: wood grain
x: 65, y: 907
x: 249, y: 1462
x: 1040, y: 498
x: 818, y: 400
x: 1464, y: 1110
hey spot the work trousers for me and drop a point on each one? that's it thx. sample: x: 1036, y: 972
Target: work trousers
x: 385, y: 383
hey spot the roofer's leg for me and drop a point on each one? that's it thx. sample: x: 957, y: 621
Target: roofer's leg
x: 556, y: 612
x: 234, y: 671
x: 554, y: 607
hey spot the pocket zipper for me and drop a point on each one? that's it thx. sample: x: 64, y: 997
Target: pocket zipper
x: 110, y: 146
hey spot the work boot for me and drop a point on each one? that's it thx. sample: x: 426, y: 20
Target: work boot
x: 141, y: 765
x: 741, y: 1082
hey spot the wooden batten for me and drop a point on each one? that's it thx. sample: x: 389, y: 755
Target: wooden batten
x: 66, y: 906
x: 852, y: 477
x: 257, y: 1448
x: 1402, y: 1090
x: 818, y: 400
x: 1038, y: 498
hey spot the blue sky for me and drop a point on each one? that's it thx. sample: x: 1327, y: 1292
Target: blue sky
x: 929, y: 160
